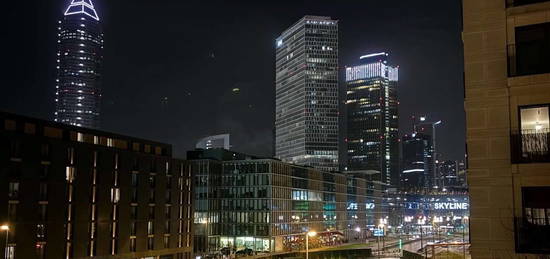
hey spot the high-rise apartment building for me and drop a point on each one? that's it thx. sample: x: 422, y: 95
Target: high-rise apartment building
x: 507, y: 97
x: 71, y: 192
x: 372, y: 111
x: 79, y: 57
x: 306, y: 116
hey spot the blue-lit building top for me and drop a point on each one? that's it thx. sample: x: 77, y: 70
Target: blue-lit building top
x: 372, y: 111
x: 79, y: 57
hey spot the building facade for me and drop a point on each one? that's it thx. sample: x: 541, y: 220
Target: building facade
x: 417, y: 159
x: 79, y: 57
x: 306, y: 90
x: 70, y: 192
x: 372, y: 111
x: 507, y: 77
x: 267, y: 205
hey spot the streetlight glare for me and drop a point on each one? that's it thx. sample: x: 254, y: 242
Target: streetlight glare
x: 4, y: 227
x: 311, y: 233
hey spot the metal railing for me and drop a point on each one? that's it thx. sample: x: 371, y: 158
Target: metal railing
x: 531, y: 238
x: 530, y: 146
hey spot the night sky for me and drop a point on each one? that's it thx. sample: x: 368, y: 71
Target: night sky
x: 195, y: 52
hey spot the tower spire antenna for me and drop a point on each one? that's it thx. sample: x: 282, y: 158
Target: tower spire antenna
x: 82, y: 7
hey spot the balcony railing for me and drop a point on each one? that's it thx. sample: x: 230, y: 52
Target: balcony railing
x: 512, y: 3
x: 530, y: 146
x: 531, y: 238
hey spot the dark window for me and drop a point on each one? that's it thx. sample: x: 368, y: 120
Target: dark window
x: 42, y: 212
x: 152, y: 181
x: 531, y: 231
x: 532, y: 50
x: 167, y: 226
x: 150, y: 243
x: 132, y: 244
x: 151, y: 212
x: 133, y: 228
x: 134, y: 180
x: 166, y: 241
x: 151, y: 196
x: 15, y: 149
x: 45, y: 171
x: 167, y: 212
x: 43, y: 192
x: 168, y: 196
x: 45, y: 151
x: 169, y: 182
x: 134, y: 212
x: 12, y: 211
x: 41, y: 250
x: 134, y: 195
x: 536, y: 205
x: 150, y: 228
x: 13, y: 190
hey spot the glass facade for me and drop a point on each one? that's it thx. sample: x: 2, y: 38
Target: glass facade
x: 372, y: 110
x: 306, y: 116
x: 79, y: 57
x: 267, y: 205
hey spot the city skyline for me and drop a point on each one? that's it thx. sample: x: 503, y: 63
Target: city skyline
x: 127, y: 80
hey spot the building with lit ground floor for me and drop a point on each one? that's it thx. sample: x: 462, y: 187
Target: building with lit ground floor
x: 266, y: 205
x: 71, y: 192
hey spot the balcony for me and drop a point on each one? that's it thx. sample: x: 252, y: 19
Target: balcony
x: 531, y: 238
x: 512, y: 3
x: 530, y: 146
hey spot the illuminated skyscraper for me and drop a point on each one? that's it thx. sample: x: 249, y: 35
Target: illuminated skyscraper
x: 306, y: 117
x: 79, y: 57
x: 372, y: 136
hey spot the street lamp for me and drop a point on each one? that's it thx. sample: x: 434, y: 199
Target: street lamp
x: 7, y: 229
x: 309, y: 234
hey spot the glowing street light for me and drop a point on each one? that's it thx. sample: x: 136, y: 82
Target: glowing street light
x: 7, y: 229
x: 309, y: 234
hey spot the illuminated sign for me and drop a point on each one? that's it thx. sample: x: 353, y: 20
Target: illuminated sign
x: 369, y: 206
x: 450, y: 206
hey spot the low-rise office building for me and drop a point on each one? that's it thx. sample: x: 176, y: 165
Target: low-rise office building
x: 267, y: 205
x: 70, y: 192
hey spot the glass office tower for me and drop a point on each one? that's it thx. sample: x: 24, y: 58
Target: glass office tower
x: 372, y: 111
x: 79, y: 56
x: 306, y: 117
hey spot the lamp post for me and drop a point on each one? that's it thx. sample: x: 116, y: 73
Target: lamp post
x: 7, y: 229
x: 309, y: 234
x: 381, y: 226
